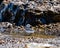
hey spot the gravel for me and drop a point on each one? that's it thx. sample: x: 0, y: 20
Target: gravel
x: 10, y: 42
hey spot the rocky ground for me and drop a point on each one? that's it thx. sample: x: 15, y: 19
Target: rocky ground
x: 46, y: 29
x: 18, y: 38
x: 30, y: 24
x: 8, y: 41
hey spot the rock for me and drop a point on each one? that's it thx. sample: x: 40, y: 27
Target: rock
x: 9, y: 25
x: 6, y: 27
x: 39, y: 45
x: 2, y: 41
x: 2, y: 29
x: 52, y: 29
x: 56, y: 18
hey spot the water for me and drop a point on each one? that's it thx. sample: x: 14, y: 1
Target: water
x: 18, y: 15
x: 1, y: 1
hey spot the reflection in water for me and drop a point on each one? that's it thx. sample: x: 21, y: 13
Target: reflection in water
x: 15, y: 14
